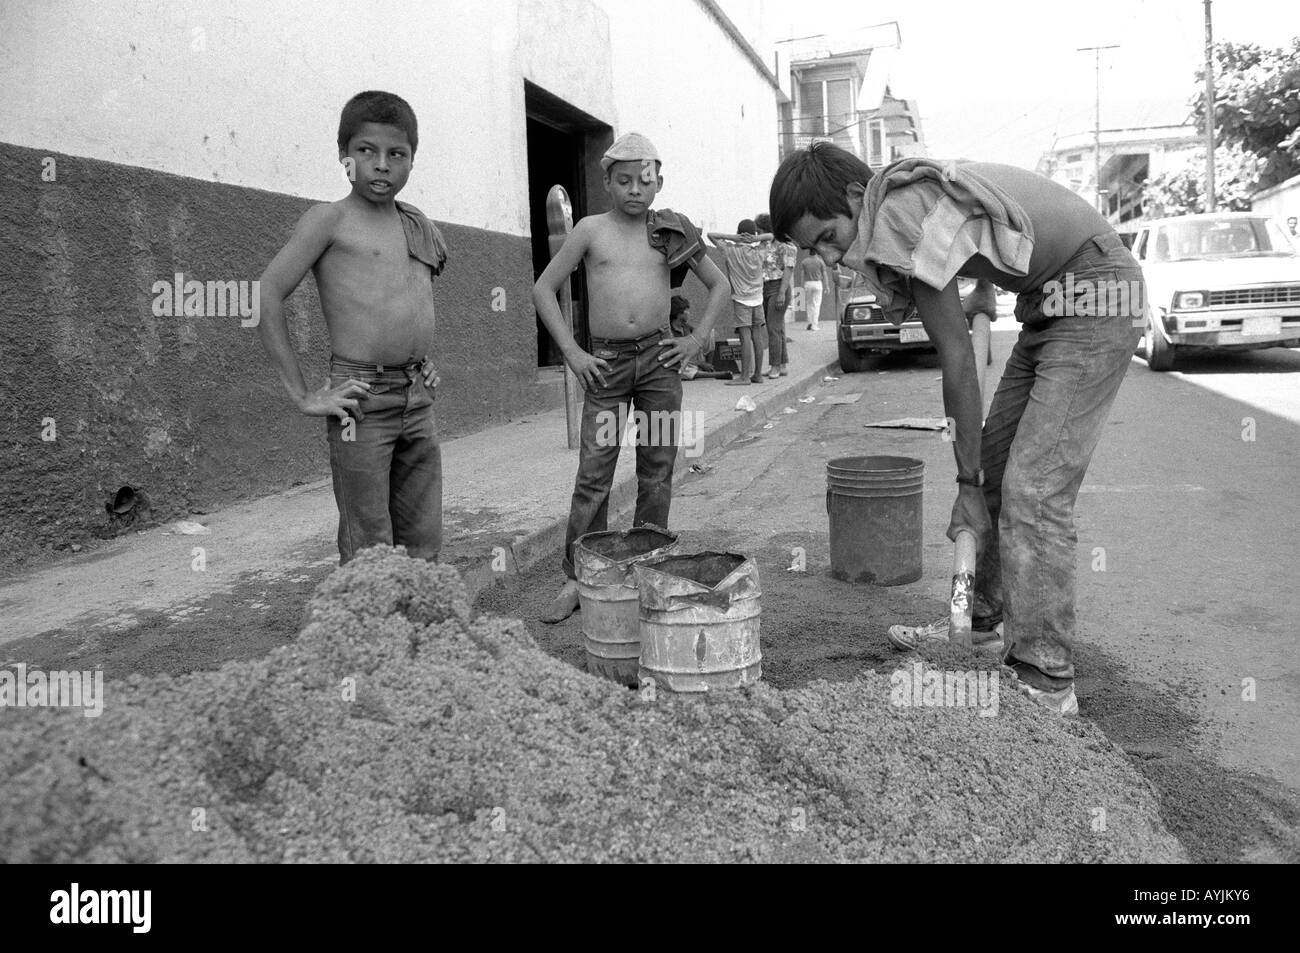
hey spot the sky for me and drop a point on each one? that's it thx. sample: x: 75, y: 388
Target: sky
x: 999, y: 80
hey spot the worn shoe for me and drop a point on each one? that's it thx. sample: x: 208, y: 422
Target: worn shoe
x: 908, y: 637
x: 564, y: 604
x: 1062, y: 701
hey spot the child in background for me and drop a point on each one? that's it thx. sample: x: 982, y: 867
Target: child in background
x: 811, y: 270
x: 744, y: 261
x: 778, y: 272
x: 680, y: 324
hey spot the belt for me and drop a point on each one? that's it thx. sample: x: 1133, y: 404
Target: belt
x: 619, y: 343
x: 376, y: 368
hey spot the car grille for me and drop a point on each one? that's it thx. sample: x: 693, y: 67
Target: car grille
x: 1278, y: 294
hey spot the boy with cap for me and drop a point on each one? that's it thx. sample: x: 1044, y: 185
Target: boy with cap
x: 374, y: 260
x: 912, y: 230
x: 629, y: 253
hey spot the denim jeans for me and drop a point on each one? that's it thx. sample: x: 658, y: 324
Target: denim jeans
x: 635, y: 381
x: 1046, y: 418
x: 775, y: 318
x: 387, y: 463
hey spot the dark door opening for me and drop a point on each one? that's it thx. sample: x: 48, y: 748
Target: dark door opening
x: 563, y: 145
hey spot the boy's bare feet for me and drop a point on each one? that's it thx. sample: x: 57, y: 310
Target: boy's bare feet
x: 564, y: 604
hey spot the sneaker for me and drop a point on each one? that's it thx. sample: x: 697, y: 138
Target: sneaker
x: 908, y: 637
x: 773, y: 374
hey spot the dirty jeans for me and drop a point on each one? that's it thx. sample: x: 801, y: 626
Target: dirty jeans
x: 387, y: 463
x: 635, y: 381
x: 1045, y: 421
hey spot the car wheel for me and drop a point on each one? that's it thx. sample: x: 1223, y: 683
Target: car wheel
x: 850, y: 360
x: 1159, y: 353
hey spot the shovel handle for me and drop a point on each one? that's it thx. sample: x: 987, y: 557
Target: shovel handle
x: 963, y: 590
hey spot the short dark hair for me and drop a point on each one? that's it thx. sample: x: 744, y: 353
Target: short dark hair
x: 747, y: 227
x: 812, y: 181
x: 376, y: 106
x: 763, y: 221
x: 677, y: 306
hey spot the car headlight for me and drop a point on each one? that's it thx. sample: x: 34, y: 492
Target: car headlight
x: 1190, y: 300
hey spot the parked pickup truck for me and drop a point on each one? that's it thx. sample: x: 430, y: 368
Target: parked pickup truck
x: 1224, y: 280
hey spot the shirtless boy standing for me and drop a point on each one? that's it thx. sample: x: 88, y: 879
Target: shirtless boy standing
x: 374, y: 260
x: 628, y: 252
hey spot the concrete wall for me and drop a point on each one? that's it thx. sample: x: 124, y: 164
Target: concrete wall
x: 1282, y: 201
x: 145, y: 138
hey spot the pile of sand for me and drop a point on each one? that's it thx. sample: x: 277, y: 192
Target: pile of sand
x: 395, y: 728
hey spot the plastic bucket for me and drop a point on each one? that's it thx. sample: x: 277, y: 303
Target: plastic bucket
x: 874, y: 505
x: 699, y: 621
x: 607, y: 593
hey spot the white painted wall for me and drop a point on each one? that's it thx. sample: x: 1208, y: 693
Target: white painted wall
x: 248, y: 92
x: 1281, y: 202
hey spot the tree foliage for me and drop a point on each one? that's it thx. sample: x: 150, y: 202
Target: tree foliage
x: 1181, y: 191
x: 1256, y: 105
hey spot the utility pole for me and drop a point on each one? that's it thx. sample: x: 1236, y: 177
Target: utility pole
x: 1209, y: 111
x: 1096, y: 128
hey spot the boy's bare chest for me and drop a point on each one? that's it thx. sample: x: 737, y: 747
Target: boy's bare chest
x: 376, y: 254
x: 623, y: 248
x: 373, y: 243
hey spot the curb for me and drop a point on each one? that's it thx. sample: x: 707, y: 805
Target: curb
x: 529, y: 550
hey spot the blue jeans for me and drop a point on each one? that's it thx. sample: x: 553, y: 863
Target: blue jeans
x: 1045, y: 421
x: 775, y: 318
x: 636, y: 381
x: 387, y: 463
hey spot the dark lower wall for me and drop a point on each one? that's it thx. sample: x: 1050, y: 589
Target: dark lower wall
x: 190, y: 408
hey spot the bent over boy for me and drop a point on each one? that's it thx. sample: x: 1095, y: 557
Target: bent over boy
x: 911, y: 230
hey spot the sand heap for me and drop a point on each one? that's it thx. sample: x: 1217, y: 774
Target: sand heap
x: 395, y: 728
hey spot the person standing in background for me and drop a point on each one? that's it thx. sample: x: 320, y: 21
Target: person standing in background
x: 811, y: 270
x: 778, y: 275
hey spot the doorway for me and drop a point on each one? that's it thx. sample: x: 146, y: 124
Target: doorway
x: 564, y: 146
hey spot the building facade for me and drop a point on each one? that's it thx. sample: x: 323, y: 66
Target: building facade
x: 843, y: 95
x: 1129, y: 158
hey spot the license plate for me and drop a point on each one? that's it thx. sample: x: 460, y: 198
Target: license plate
x: 912, y: 335
x: 1261, y: 325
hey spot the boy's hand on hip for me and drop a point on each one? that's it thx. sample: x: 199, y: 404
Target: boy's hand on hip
x: 431, y: 378
x: 675, y: 351
x: 970, y: 512
x: 334, y: 401
x: 588, y: 368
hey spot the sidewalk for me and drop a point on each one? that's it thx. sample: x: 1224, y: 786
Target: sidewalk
x: 505, y: 502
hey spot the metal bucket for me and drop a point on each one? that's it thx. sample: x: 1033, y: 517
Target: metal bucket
x: 607, y: 593
x: 699, y: 621
x: 874, y: 505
